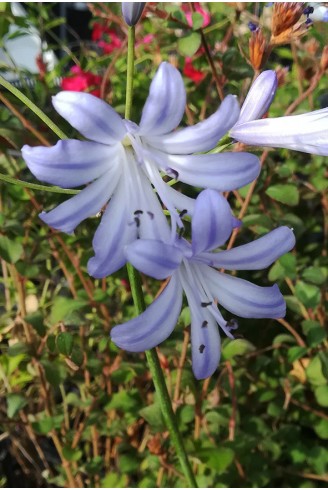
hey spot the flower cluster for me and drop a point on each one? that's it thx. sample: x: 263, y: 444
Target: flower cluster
x: 123, y: 164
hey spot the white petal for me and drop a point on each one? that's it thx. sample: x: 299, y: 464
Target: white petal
x: 155, y: 324
x: 204, y: 135
x: 70, y: 163
x: 257, y: 254
x: 166, y: 102
x: 88, y: 202
x: 91, y: 116
x: 305, y: 132
x: 259, y: 97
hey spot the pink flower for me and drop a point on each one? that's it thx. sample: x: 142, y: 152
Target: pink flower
x: 82, y: 81
x: 106, y: 38
x: 188, y: 13
x: 191, y: 72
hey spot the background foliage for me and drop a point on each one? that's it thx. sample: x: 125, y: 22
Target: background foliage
x: 74, y: 410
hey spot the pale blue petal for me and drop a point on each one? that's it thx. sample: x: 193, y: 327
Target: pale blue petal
x: 255, y: 255
x: 70, y: 163
x: 205, y: 344
x: 91, y: 116
x: 155, y: 324
x: 220, y: 171
x: 88, y: 202
x: 204, y: 135
x: 154, y: 258
x: 259, y: 97
x: 245, y: 299
x: 211, y: 223
x: 166, y: 102
x: 305, y: 132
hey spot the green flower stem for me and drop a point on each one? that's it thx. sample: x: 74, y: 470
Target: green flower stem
x: 37, y: 187
x: 139, y: 302
x: 26, y: 101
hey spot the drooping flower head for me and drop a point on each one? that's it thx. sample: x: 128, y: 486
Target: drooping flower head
x: 192, y: 270
x: 124, y: 162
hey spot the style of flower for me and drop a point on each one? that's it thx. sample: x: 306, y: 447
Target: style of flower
x: 304, y: 132
x: 191, y: 72
x: 191, y: 267
x: 82, y: 81
x: 124, y: 162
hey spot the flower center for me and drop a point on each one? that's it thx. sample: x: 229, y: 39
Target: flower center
x: 126, y: 141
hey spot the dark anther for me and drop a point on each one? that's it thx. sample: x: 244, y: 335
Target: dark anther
x: 204, y: 324
x: 204, y: 304
x: 150, y: 214
x: 201, y: 348
x: 308, y: 10
x: 252, y: 27
x: 183, y: 212
x: 232, y: 324
x: 137, y: 221
x: 138, y: 211
x: 175, y: 174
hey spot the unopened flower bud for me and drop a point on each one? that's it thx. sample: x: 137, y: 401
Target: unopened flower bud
x: 132, y: 11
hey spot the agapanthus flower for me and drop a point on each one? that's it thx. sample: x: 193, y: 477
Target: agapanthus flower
x: 303, y: 132
x: 124, y: 163
x: 132, y: 12
x: 192, y: 270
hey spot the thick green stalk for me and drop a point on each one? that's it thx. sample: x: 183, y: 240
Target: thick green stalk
x: 138, y: 299
x: 26, y: 101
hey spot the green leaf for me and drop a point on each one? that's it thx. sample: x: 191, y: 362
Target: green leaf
x: 219, y: 459
x: 308, y: 294
x: 15, y: 403
x: 188, y: 45
x: 285, y: 193
x: 321, y: 395
x: 10, y: 250
x: 296, y: 352
x: 36, y: 320
x: 124, y: 400
x: 153, y: 415
x: 72, y: 454
x: 237, y: 347
x: 321, y: 429
x: 65, y: 343
x: 316, y: 275
x: 197, y: 20
x: 114, y: 480
x: 63, y: 309
x: 314, y: 372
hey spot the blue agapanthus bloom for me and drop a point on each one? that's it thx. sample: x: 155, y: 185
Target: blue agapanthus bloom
x: 124, y: 162
x: 304, y: 132
x: 192, y: 270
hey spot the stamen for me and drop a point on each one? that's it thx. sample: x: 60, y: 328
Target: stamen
x: 137, y: 221
x: 201, y: 348
x: 204, y: 324
x: 204, y: 304
x: 232, y: 324
x: 138, y: 211
x: 183, y: 212
x: 173, y: 172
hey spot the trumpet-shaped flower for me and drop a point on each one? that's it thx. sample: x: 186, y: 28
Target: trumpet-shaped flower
x: 123, y: 163
x: 192, y: 270
x: 303, y: 132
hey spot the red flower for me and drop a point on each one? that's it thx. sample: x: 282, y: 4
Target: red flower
x: 188, y: 13
x: 82, y: 81
x: 191, y: 72
x: 106, y: 38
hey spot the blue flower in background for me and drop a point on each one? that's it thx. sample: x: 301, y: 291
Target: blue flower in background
x: 305, y: 132
x: 191, y: 267
x: 123, y: 163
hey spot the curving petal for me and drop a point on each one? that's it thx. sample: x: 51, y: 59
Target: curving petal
x: 88, y: 202
x: 221, y: 171
x: 211, y: 223
x: 205, y: 344
x: 259, y: 97
x: 305, y: 132
x: 154, y: 258
x: 244, y: 298
x: 70, y: 163
x: 204, y: 135
x: 166, y: 102
x: 255, y: 255
x: 91, y: 116
x: 155, y: 324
